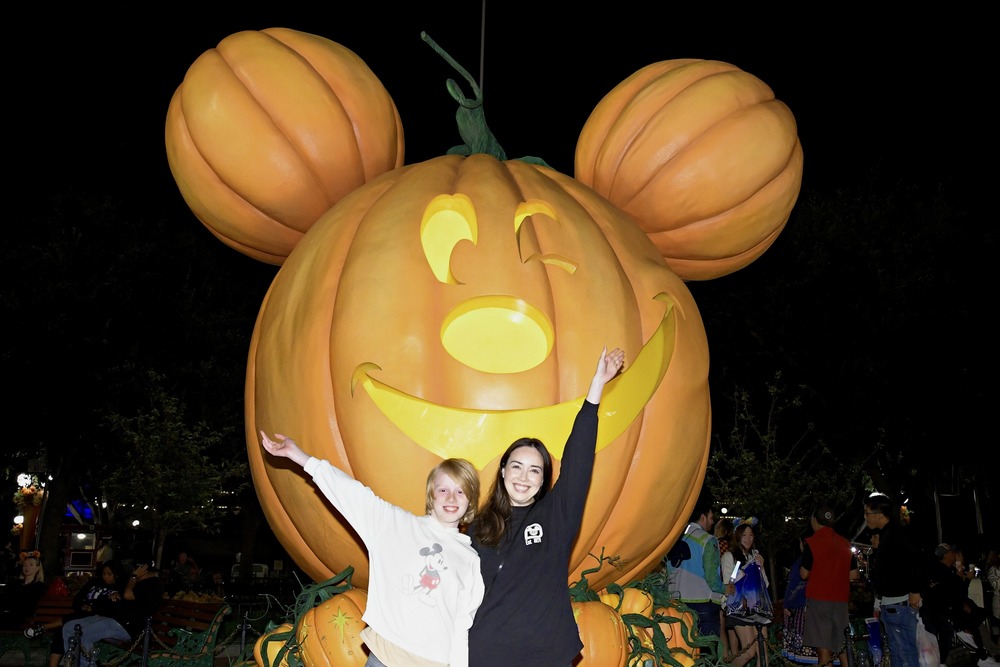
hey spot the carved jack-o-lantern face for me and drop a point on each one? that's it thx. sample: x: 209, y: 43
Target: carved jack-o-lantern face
x: 450, y: 307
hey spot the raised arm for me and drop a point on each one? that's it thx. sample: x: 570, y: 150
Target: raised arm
x: 283, y: 446
x: 607, y: 367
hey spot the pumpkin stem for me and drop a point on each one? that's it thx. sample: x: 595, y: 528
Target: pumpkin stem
x: 470, y: 116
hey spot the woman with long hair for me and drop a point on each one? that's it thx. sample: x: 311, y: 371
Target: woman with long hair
x: 19, y: 599
x: 725, y: 535
x: 524, y: 534
x: 747, y: 630
x: 101, y: 590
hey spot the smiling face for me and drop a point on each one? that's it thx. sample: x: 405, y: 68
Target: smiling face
x: 523, y: 476
x: 450, y: 308
x: 449, y: 502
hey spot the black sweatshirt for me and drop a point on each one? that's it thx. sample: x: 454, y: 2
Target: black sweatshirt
x: 526, y: 619
x: 898, y: 567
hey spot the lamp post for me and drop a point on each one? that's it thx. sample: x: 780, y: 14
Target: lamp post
x: 29, y: 497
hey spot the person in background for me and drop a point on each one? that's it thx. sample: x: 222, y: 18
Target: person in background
x: 120, y: 617
x: 725, y: 535
x: 105, y: 553
x: 694, y: 570
x: 19, y: 599
x: 993, y: 578
x: 185, y: 572
x: 524, y: 535
x: 747, y: 632
x: 794, y: 608
x: 949, y: 612
x: 424, y: 582
x: 828, y: 566
x: 898, y: 575
x: 107, y: 584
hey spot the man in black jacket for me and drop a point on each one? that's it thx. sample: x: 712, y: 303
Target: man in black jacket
x: 898, y: 575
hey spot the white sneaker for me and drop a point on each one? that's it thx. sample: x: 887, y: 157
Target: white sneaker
x: 988, y: 662
x: 34, y: 631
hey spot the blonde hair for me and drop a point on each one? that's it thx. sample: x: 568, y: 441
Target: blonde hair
x: 40, y: 573
x: 464, y: 473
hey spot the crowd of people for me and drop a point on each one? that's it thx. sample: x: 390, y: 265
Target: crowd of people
x: 112, y: 603
x: 929, y: 603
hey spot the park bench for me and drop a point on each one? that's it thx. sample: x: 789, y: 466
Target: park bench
x: 180, y: 633
x: 53, y: 606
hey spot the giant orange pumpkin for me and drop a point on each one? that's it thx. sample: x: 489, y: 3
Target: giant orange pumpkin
x: 702, y: 155
x: 269, y: 129
x: 449, y: 307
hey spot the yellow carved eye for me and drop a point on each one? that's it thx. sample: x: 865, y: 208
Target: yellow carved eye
x: 447, y: 220
x: 527, y: 244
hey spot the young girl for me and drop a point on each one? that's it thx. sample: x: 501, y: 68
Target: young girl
x: 424, y: 584
x: 746, y: 631
x: 725, y: 535
x: 19, y: 599
x: 524, y: 535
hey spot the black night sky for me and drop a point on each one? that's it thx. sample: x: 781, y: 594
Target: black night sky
x: 880, y: 101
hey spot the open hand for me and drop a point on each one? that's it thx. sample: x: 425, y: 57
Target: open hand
x: 281, y: 445
x: 609, y: 364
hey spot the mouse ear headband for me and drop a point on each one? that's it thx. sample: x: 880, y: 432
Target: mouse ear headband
x: 37, y: 555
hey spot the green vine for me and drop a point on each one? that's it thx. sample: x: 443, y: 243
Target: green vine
x: 709, y: 648
x: 310, y: 597
x: 470, y: 116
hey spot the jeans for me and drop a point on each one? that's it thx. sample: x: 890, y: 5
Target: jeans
x: 900, y: 622
x: 373, y: 661
x: 95, y: 628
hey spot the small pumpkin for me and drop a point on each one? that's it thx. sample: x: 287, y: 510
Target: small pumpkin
x: 674, y: 633
x: 330, y: 632
x: 702, y: 155
x: 628, y: 601
x: 605, y: 640
x: 271, y: 128
x: 270, y: 644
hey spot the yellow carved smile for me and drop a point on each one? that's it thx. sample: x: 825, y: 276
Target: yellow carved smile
x: 482, y: 435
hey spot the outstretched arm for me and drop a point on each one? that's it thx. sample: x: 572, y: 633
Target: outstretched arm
x: 607, y: 367
x: 283, y: 446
